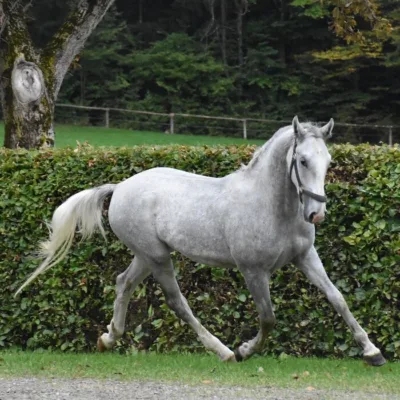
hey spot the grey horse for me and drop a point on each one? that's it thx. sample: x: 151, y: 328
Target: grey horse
x: 258, y: 218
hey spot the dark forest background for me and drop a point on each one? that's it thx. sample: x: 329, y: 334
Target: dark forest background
x: 261, y: 58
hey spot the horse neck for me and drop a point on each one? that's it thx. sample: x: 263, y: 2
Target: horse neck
x: 270, y: 174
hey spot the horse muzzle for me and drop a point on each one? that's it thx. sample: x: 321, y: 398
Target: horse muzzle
x: 315, y: 218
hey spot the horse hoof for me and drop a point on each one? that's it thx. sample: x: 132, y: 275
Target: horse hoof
x: 376, y: 360
x: 237, y: 354
x: 100, y: 345
x: 230, y: 358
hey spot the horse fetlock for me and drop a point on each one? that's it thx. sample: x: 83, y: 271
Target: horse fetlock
x: 228, y: 357
x: 238, y: 355
x: 104, y: 342
x: 244, y: 351
x: 113, y: 331
x: 107, y: 340
x: 375, y: 360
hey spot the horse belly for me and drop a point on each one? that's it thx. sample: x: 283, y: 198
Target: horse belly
x: 193, y: 224
x: 198, y: 238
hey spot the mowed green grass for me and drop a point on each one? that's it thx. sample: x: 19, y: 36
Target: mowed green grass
x: 69, y: 135
x: 206, y: 369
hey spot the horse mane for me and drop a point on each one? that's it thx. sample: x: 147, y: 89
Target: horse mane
x: 311, y: 129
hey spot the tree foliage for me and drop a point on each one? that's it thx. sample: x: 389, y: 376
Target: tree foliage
x: 189, y: 56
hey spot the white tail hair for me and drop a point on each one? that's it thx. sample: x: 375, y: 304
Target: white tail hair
x: 83, y: 210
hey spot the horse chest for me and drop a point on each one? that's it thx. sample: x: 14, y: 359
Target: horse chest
x: 272, y: 247
x: 292, y: 246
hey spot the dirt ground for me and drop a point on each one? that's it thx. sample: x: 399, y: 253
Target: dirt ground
x: 90, y: 389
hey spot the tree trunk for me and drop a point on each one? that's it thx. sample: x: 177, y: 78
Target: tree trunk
x: 140, y: 11
x: 282, y: 39
x: 28, y: 109
x: 223, y: 32
x: 31, y: 79
x: 240, y: 7
x: 241, y: 10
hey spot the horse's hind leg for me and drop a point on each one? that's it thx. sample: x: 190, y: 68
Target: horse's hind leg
x: 164, y: 274
x: 126, y: 284
x: 258, y: 285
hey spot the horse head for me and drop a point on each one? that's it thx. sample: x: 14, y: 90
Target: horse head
x: 308, y: 162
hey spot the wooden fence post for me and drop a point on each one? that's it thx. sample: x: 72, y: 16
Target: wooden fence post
x: 171, y: 123
x: 245, y: 129
x: 107, y: 119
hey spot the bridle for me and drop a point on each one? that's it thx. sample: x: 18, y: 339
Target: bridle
x: 302, y: 190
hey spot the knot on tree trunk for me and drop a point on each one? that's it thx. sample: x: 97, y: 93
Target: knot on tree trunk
x: 27, y: 81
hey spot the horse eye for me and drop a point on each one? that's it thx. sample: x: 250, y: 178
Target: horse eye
x: 304, y: 163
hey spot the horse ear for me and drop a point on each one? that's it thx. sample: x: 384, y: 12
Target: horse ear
x: 327, y: 129
x: 299, y: 132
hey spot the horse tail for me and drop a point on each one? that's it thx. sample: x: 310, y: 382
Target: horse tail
x: 83, y: 210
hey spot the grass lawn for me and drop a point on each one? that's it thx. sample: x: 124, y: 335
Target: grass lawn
x: 206, y: 369
x: 68, y: 135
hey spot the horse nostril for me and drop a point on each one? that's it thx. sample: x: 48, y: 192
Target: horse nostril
x: 311, y: 217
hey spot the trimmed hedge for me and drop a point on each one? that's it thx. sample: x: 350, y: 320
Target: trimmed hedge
x: 68, y: 307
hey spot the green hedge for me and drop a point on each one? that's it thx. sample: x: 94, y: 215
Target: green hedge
x: 68, y: 307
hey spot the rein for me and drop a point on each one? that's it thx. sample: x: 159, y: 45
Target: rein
x: 302, y: 190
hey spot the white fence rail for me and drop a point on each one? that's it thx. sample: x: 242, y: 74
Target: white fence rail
x: 365, y: 132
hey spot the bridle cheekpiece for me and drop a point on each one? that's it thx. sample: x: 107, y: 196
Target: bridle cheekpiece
x: 302, y: 190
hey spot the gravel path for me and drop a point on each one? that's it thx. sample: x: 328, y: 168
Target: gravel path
x: 90, y: 389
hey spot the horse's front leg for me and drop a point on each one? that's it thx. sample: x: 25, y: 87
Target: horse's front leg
x: 258, y: 285
x: 312, y: 266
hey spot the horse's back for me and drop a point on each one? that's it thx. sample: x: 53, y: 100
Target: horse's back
x: 183, y: 211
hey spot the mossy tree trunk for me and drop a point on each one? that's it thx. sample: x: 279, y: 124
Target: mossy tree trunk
x: 28, y: 105
x: 30, y: 78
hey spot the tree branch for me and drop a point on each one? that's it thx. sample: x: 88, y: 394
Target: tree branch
x: 13, y: 26
x: 210, y: 29
x: 14, y: 36
x: 3, y: 20
x: 71, y: 37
